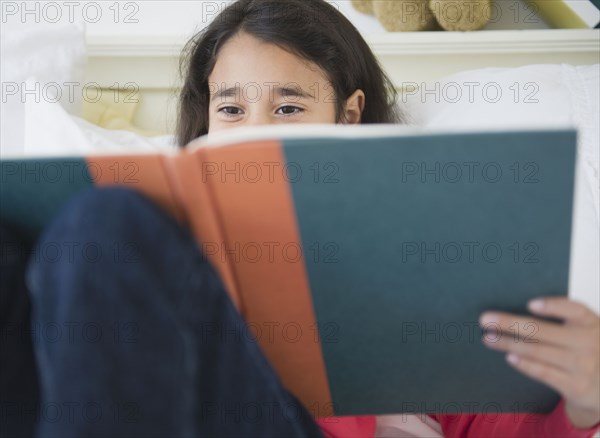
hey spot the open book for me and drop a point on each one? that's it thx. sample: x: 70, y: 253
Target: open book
x: 360, y: 257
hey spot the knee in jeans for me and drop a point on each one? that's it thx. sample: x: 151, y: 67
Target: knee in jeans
x: 13, y: 249
x: 95, y: 224
x: 97, y: 227
x: 102, y: 203
x: 103, y: 213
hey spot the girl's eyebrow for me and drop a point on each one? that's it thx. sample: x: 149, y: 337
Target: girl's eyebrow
x: 293, y: 91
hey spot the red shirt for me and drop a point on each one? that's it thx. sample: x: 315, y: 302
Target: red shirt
x: 556, y: 424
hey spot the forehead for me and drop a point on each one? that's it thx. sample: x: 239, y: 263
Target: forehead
x: 244, y: 59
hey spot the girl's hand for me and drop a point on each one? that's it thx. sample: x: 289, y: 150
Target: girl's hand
x: 564, y: 356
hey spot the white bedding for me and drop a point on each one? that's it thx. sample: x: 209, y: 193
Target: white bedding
x: 38, y: 63
x: 51, y: 131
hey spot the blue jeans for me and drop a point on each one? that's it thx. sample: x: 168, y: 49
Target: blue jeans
x: 121, y: 302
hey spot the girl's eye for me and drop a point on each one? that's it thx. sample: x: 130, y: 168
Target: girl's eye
x: 234, y: 111
x: 231, y: 111
x: 290, y: 110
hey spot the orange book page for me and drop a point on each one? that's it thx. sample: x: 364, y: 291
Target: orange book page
x: 144, y: 173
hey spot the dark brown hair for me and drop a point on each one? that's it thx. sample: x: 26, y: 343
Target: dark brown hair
x: 311, y: 29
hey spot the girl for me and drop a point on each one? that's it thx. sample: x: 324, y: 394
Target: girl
x: 310, y: 45
x: 146, y: 364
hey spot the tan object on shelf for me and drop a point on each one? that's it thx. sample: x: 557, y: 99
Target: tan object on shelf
x: 405, y: 15
x: 461, y: 15
x: 364, y: 6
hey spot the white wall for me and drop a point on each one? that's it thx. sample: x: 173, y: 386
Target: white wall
x: 129, y: 18
x: 183, y: 18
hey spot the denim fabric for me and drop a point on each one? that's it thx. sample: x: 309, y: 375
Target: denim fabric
x: 122, y: 299
x: 19, y: 389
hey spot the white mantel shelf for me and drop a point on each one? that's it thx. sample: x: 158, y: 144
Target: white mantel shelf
x: 490, y: 41
x: 390, y: 43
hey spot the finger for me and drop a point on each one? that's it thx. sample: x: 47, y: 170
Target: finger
x: 527, y: 328
x: 546, y: 353
x: 563, y: 308
x: 554, y: 377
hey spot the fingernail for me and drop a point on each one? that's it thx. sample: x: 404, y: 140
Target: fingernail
x: 512, y: 358
x: 488, y: 318
x: 536, y: 305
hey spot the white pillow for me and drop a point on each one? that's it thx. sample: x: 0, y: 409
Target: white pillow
x: 51, y: 131
x: 525, y: 97
x: 533, y: 95
x: 56, y: 57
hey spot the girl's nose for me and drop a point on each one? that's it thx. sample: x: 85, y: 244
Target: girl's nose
x: 258, y: 118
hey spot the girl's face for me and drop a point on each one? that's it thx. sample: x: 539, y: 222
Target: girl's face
x: 257, y: 83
